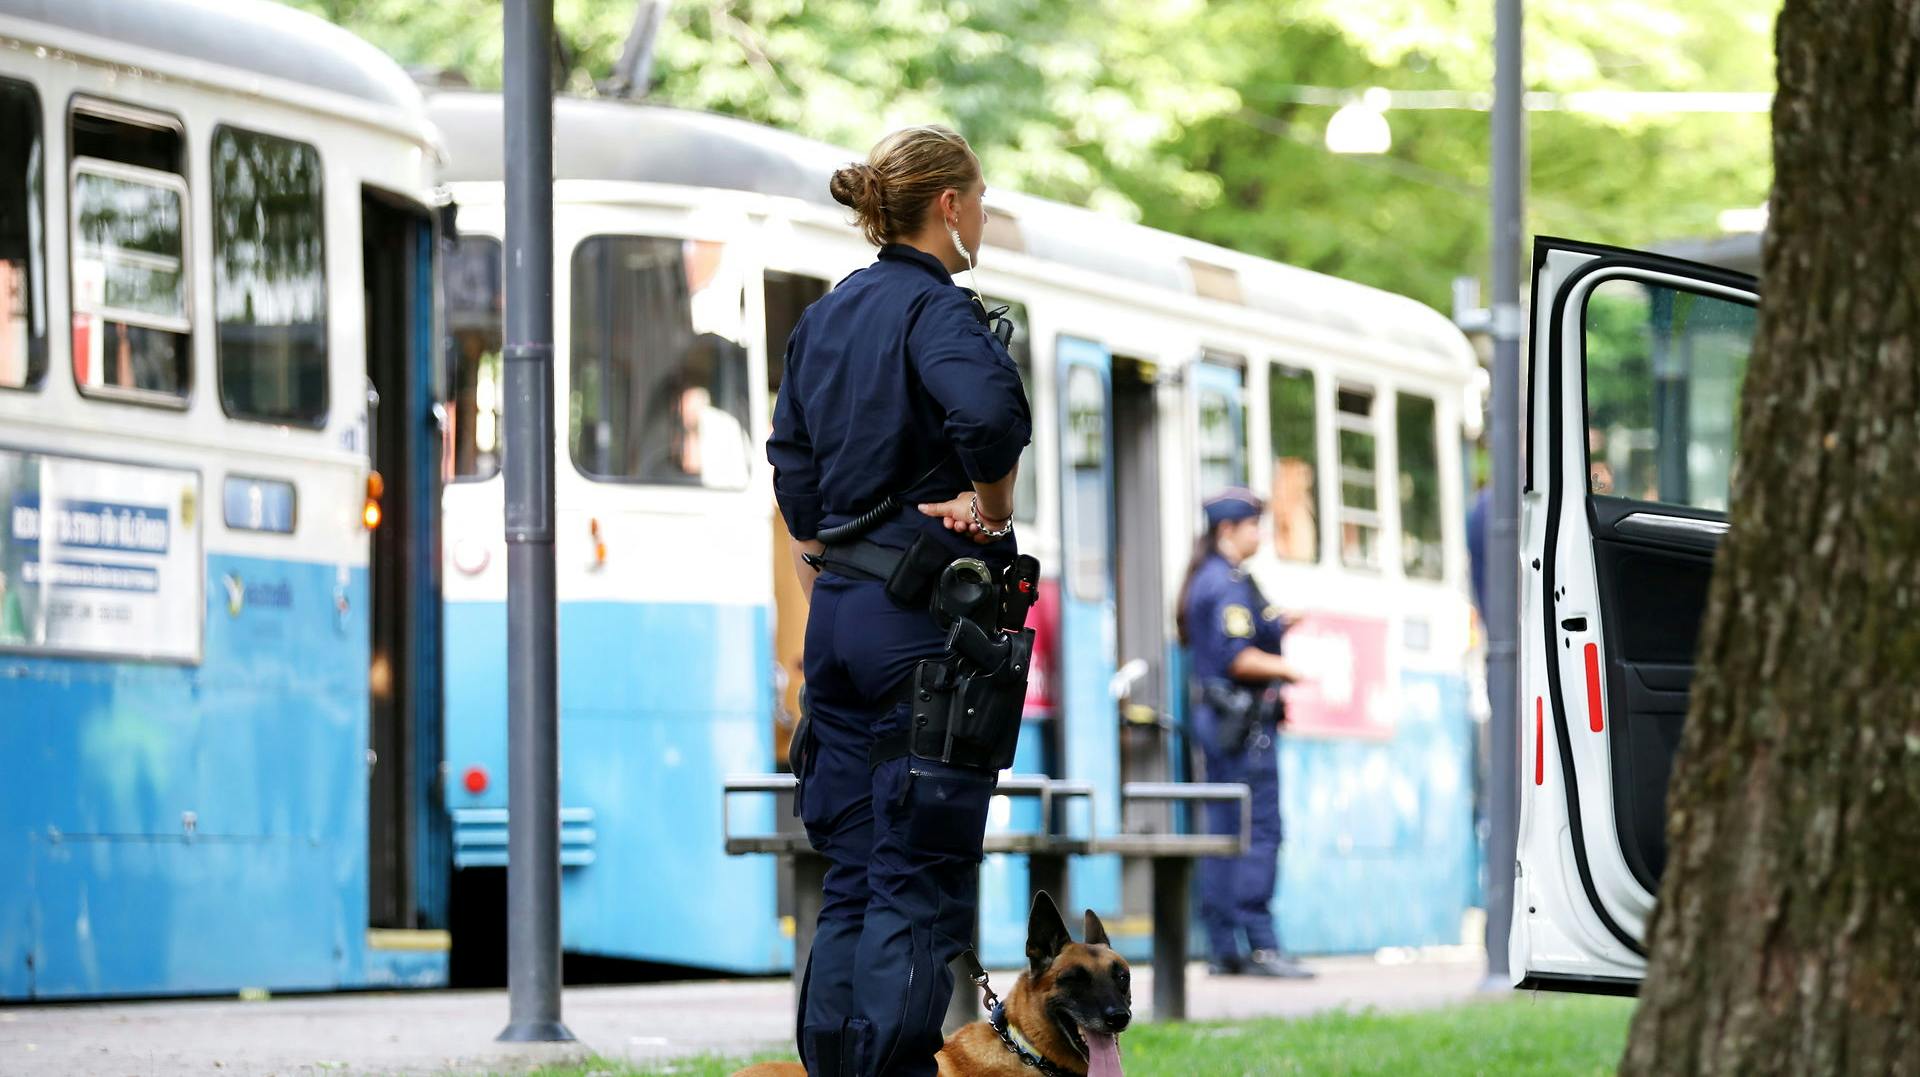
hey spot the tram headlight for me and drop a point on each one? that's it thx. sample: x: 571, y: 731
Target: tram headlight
x: 370, y: 512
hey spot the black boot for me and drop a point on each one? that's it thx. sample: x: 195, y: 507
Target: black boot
x: 1277, y: 965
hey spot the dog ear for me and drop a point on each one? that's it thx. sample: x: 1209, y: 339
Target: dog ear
x: 1046, y: 933
x: 1096, y: 931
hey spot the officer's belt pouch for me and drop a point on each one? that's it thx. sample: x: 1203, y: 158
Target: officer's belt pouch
x: 1235, y: 709
x: 969, y: 716
x: 911, y: 582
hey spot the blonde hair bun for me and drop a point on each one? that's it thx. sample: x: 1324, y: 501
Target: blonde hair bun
x: 856, y: 187
x: 889, y: 192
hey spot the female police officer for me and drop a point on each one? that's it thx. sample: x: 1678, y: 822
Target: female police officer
x: 1234, y: 637
x: 900, y: 415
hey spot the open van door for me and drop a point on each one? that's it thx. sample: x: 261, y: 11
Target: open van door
x: 1633, y: 396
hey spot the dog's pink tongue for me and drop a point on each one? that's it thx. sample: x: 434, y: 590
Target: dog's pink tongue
x: 1103, y: 1054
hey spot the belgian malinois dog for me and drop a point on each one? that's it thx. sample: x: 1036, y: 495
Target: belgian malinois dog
x: 1063, y: 1016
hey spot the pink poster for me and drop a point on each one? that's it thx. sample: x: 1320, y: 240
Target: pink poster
x: 1345, y: 693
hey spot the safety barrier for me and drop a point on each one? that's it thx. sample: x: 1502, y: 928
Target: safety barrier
x: 1172, y: 857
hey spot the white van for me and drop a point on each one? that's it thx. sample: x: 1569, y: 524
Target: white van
x: 1632, y: 396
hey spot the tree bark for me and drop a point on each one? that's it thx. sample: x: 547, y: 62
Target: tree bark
x: 1787, y: 935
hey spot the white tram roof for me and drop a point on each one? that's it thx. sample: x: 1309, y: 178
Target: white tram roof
x: 610, y: 140
x: 258, y: 37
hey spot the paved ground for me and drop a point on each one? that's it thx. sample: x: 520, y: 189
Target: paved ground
x: 452, y: 1031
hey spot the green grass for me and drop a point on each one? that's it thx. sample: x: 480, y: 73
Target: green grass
x: 1523, y: 1035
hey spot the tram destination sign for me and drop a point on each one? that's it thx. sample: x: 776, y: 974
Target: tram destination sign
x: 99, y: 558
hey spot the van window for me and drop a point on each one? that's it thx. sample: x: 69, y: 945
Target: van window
x: 1026, y: 489
x: 132, y: 323
x: 1359, y: 517
x: 23, y: 262
x: 659, y: 371
x: 1663, y: 374
x: 1419, y: 441
x: 1293, y: 418
x: 473, y: 271
x: 269, y: 278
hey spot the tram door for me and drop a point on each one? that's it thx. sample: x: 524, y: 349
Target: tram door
x: 1140, y: 689
x: 405, y: 828
x: 787, y: 295
x: 1090, y: 725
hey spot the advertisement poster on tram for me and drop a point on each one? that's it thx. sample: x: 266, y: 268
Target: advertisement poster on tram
x: 1347, y: 694
x: 99, y: 558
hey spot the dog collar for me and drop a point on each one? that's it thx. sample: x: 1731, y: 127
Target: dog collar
x: 1018, y: 1044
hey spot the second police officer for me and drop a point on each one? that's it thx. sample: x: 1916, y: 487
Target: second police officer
x: 896, y: 434
x: 1233, y: 638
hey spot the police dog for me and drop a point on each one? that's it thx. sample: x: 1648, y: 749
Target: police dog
x: 1067, y: 1009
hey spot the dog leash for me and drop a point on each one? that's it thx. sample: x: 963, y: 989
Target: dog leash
x: 997, y: 1018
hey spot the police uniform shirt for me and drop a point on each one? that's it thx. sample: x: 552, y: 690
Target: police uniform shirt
x: 885, y: 376
x: 1227, y: 614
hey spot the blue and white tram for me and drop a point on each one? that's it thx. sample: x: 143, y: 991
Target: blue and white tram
x: 219, y: 694
x: 1160, y: 369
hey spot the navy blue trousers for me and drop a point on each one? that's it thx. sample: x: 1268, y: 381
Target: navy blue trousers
x: 902, y: 841
x: 1236, y: 893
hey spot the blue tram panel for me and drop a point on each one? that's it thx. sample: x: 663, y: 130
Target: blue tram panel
x: 185, y: 828
x: 658, y: 700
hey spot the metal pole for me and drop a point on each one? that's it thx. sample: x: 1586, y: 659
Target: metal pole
x: 1503, y: 549
x: 533, y: 734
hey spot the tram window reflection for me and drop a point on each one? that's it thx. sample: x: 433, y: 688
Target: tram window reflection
x: 1358, y: 446
x: 1418, y: 439
x: 472, y: 272
x: 1222, y: 464
x: 23, y: 265
x: 1026, y: 489
x: 1292, y: 416
x: 659, y: 370
x: 132, y: 323
x: 269, y: 284
x: 1088, y: 562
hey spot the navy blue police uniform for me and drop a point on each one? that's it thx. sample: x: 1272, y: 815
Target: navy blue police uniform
x: 893, y: 385
x: 1226, y: 614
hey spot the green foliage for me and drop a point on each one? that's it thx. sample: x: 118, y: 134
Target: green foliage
x: 1184, y: 113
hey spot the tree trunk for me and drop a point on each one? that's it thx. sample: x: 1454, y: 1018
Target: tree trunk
x: 1787, y: 937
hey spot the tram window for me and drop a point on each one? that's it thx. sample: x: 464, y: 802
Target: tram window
x: 659, y: 373
x: 132, y: 325
x: 1664, y: 368
x: 1026, y: 489
x: 1086, y: 449
x: 1223, y: 461
x: 787, y: 296
x: 473, y: 271
x: 1292, y: 414
x: 23, y: 264
x: 1359, y: 517
x: 1418, y: 438
x: 269, y: 278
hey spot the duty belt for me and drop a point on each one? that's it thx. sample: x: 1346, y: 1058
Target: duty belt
x: 964, y: 708
x: 861, y: 559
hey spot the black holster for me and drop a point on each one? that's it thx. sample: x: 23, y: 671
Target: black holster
x: 967, y: 704
x: 1237, y: 709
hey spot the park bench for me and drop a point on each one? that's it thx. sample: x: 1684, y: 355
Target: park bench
x: 1172, y: 857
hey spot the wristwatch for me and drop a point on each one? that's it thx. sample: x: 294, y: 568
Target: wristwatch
x: 974, y: 511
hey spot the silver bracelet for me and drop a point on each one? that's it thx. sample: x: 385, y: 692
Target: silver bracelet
x: 974, y: 511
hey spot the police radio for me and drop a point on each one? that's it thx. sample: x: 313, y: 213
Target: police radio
x: 995, y: 320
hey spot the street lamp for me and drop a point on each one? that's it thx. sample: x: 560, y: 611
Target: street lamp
x: 1360, y: 127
